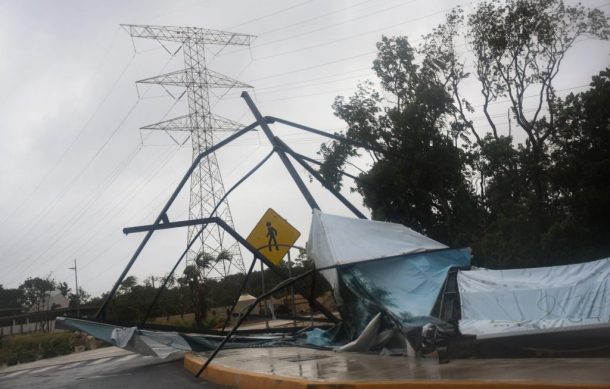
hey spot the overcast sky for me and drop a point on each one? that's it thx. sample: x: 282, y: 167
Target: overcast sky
x: 75, y: 168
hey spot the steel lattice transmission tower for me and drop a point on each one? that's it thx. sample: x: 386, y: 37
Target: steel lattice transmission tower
x: 207, y: 188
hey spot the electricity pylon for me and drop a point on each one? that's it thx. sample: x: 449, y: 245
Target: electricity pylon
x: 207, y: 188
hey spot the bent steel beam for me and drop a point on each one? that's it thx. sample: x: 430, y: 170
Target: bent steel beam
x: 293, y: 173
x: 272, y: 119
x: 322, y: 181
x: 316, y: 162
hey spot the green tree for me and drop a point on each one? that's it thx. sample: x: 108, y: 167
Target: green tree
x: 436, y: 171
x: 418, y: 176
x: 34, y: 292
x: 128, y: 284
x: 83, y: 297
x: 36, y: 296
x: 580, y: 173
x: 63, y: 288
x: 519, y: 47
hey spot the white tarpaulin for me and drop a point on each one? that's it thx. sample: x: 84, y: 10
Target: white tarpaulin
x: 337, y: 240
x: 496, y: 302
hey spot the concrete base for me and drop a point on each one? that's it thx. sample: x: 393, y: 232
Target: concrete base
x: 293, y: 367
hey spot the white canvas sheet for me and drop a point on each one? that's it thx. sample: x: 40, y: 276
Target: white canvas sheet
x: 337, y: 240
x: 524, y: 300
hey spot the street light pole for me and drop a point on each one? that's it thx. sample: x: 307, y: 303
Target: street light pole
x: 77, y: 294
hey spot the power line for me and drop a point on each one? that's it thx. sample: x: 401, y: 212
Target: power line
x: 138, y: 148
x: 67, y: 187
x: 82, y: 171
x: 313, y: 66
x: 315, y: 18
x: 269, y: 15
x: 110, y: 179
x: 308, y: 95
x: 349, y: 21
x: 307, y: 82
x: 321, y: 28
x: 345, y: 58
x: 69, y: 148
x: 125, y: 202
x: 68, y: 223
x: 151, y: 169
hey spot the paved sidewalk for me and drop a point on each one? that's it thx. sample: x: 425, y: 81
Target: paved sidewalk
x: 105, y: 368
x: 293, y: 367
x: 103, y: 352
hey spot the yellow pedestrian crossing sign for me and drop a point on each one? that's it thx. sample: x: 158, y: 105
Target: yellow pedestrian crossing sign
x: 272, y: 236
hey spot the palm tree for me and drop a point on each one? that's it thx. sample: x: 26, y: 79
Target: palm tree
x: 193, y: 276
x: 127, y: 284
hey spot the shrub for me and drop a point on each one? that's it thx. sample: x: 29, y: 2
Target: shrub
x: 28, y: 348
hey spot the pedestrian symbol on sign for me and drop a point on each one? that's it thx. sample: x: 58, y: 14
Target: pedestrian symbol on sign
x: 271, y: 234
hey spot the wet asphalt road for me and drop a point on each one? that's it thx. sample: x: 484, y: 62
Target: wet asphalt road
x: 120, y: 371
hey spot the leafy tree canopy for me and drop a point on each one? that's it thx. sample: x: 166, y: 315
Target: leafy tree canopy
x: 514, y: 198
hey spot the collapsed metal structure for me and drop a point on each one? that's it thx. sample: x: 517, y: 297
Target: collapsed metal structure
x: 285, y: 153
x: 430, y: 315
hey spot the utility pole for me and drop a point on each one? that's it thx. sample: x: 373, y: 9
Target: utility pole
x: 207, y: 188
x: 77, y: 292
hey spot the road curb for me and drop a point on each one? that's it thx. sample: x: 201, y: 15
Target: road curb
x: 244, y: 379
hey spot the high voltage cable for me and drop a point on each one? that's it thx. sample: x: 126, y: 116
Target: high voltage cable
x: 107, y: 186
x: 92, y: 259
x: 496, y: 102
x: 69, y: 148
x: 67, y: 188
x: 308, y: 84
x: 536, y: 95
x: 95, y: 198
x: 151, y: 169
x: 308, y: 81
x: 88, y: 164
x: 315, y: 18
x: 29, y: 266
x: 125, y: 165
x: 269, y: 15
x: 308, y: 95
x: 58, y: 233
x: 313, y: 66
x: 351, y: 57
x: 325, y: 27
x: 345, y: 58
x: 349, y: 21
x: 118, y: 208
x: 352, y: 88
x: 78, y: 176
x: 346, y: 38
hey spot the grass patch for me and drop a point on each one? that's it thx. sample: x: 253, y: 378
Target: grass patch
x: 32, y: 347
